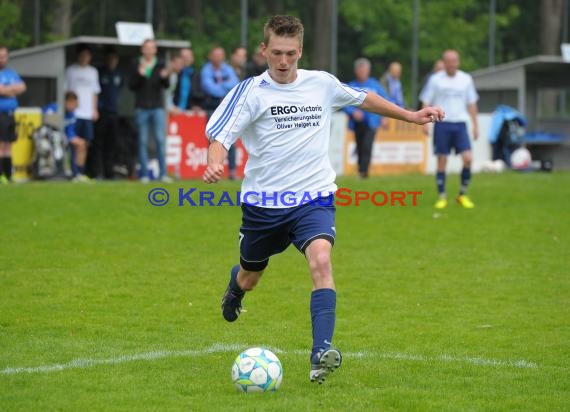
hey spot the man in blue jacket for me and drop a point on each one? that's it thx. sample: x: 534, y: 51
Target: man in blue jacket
x: 217, y: 78
x: 364, y: 124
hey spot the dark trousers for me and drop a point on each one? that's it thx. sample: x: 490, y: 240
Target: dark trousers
x: 103, y: 149
x: 503, y: 148
x: 364, y: 140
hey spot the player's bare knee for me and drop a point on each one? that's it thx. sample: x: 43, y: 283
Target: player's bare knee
x: 441, y: 162
x: 467, y: 159
x: 320, y: 264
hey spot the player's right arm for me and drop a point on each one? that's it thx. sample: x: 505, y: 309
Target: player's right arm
x: 344, y: 95
x: 226, y: 124
x: 216, y: 156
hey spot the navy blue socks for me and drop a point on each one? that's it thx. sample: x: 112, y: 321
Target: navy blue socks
x: 465, y: 179
x: 323, y: 309
x: 440, y: 179
x: 233, y: 281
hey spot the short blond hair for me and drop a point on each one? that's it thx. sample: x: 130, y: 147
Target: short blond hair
x: 283, y: 26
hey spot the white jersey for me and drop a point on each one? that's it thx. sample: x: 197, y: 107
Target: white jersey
x: 285, y: 129
x: 452, y: 94
x: 84, y: 81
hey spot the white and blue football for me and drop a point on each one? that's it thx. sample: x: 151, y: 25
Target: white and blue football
x: 257, y: 370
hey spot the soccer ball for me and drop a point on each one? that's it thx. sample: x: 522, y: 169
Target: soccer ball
x: 257, y: 370
x: 520, y: 159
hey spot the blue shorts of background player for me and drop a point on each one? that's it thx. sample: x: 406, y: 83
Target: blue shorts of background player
x: 84, y: 129
x: 448, y: 135
x: 78, y: 132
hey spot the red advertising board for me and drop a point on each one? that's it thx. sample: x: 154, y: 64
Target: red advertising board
x: 187, y: 147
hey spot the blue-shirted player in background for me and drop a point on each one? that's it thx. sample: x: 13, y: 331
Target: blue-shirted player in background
x: 11, y: 86
x: 78, y: 143
x: 283, y: 118
x: 454, y: 91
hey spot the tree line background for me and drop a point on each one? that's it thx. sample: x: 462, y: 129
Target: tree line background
x: 378, y: 29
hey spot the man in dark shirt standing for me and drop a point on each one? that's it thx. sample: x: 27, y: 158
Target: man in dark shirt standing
x: 186, y: 95
x: 148, y: 80
x: 106, y: 128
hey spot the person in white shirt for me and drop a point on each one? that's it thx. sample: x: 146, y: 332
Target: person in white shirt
x: 283, y: 118
x: 454, y: 91
x: 83, y: 79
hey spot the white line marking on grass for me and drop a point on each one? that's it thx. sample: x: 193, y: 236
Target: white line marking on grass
x: 148, y: 356
x: 464, y: 359
x: 235, y: 348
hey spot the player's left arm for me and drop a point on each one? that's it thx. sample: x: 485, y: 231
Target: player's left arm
x: 473, y: 111
x: 472, y: 97
x: 376, y: 104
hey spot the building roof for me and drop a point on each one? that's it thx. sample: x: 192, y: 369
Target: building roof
x: 540, y: 63
x: 97, y: 40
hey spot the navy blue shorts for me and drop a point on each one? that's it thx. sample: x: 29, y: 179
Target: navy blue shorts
x: 7, y: 127
x: 265, y: 232
x: 447, y: 136
x: 84, y: 129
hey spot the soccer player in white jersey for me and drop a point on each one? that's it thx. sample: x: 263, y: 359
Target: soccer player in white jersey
x: 283, y: 118
x: 454, y: 91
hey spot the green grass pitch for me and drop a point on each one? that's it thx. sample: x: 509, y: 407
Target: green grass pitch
x: 108, y: 303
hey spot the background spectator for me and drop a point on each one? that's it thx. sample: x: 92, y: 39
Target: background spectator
x: 11, y: 85
x: 187, y: 92
x: 78, y: 143
x: 148, y: 80
x: 392, y: 83
x: 174, y: 69
x: 364, y: 124
x: 238, y: 60
x: 218, y: 78
x: 106, y: 128
x: 257, y: 64
x: 83, y: 79
x: 437, y: 67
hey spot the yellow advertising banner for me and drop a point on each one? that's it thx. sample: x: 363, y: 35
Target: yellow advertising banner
x: 27, y: 120
x: 399, y: 148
